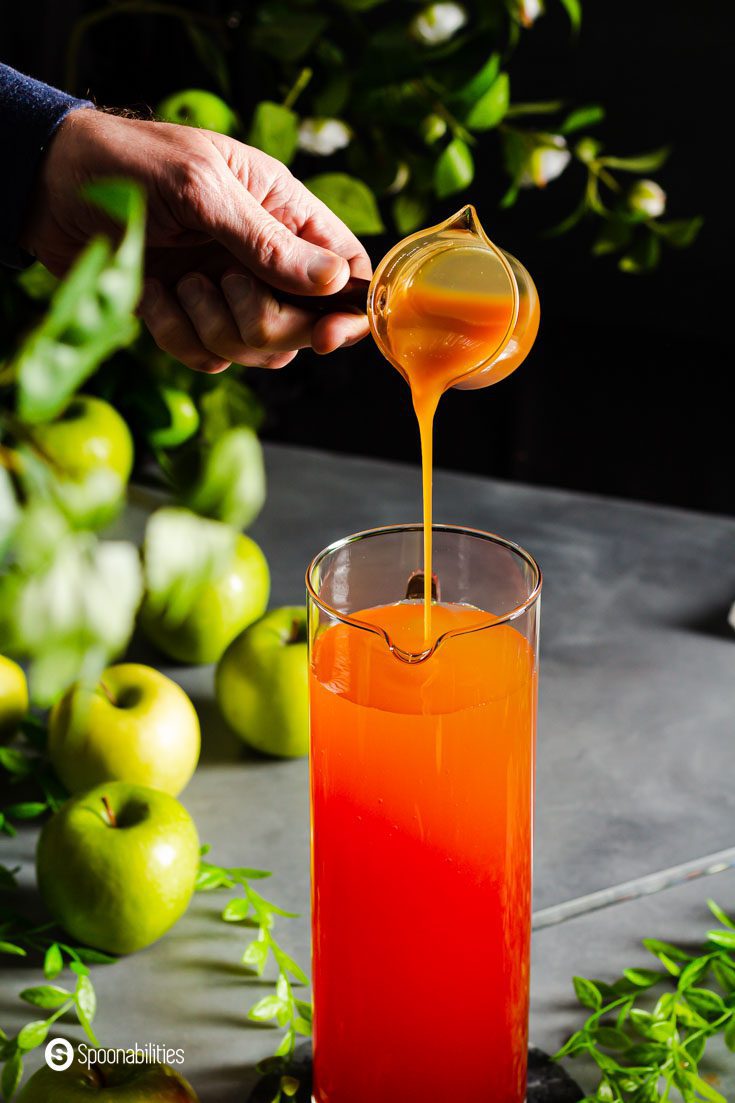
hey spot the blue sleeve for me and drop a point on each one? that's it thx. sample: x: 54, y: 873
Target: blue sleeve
x: 30, y: 111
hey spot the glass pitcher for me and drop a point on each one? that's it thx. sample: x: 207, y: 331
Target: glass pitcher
x: 422, y: 763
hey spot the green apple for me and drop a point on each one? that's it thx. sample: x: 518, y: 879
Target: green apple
x: 90, y: 450
x: 117, y: 866
x: 105, y: 1082
x: 262, y: 684
x: 196, y: 107
x: 221, y: 610
x: 175, y: 417
x: 13, y: 697
x: 136, y: 725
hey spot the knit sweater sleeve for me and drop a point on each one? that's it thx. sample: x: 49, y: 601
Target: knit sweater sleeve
x: 30, y: 112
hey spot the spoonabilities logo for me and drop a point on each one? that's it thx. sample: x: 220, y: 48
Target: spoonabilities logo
x: 59, y: 1054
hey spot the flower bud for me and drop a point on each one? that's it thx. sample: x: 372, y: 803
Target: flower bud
x: 437, y: 23
x: 587, y: 149
x: 401, y: 178
x: 648, y: 198
x: 432, y: 129
x: 547, y: 161
x: 529, y: 11
x: 322, y: 137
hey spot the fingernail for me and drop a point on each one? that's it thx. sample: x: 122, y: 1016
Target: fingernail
x: 190, y: 292
x: 324, y: 267
x: 236, y: 285
x: 149, y: 297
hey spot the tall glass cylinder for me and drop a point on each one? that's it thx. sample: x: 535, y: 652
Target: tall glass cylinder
x: 422, y: 764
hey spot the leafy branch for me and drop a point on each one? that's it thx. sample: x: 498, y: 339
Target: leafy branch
x: 82, y: 1001
x: 25, y: 763
x: 398, y: 100
x: 282, y: 1007
x: 652, y: 1052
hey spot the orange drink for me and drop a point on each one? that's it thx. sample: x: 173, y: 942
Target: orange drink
x: 421, y: 778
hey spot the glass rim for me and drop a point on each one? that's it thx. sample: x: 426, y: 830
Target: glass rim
x: 416, y: 526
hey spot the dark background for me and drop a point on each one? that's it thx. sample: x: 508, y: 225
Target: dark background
x: 626, y: 391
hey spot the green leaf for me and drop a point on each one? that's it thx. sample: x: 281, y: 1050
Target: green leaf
x: 28, y: 810
x: 675, y: 953
x: 332, y: 98
x: 7, y: 877
x: 73, y: 638
x: 537, y: 107
x: 231, y: 484
x: 582, y: 117
x: 681, y: 233
x: 705, y: 1001
x: 409, y: 213
x: 454, y: 169
x: 275, y: 130
x: 270, y: 1007
x: 229, y: 404
x: 726, y: 939
x: 350, y: 199
x: 587, y: 993
x: 730, y: 1034
x: 490, y: 109
x: 719, y: 913
x: 611, y: 1038
x: 287, y: 962
x: 90, y: 314
x: 33, y: 1035
x: 643, y: 978
x: 724, y: 973
x: 236, y: 910
x: 284, y: 32
x: 11, y: 949
x: 88, y: 956
x: 46, y: 996
x: 573, y: 9
x: 12, y: 1076
x: 86, y: 999
x: 210, y: 55
x: 703, y: 1087
x: 256, y: 955
x: 53, y: 962
x: 182, y: 554
x: 643, y: 256
x: 14, y: 761
x: 477, y: 85
x: 37, y: 282
x: 646, y: 162
x: 693, y: 972
x: 613, y: 237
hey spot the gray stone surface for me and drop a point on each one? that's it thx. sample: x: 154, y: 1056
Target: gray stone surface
x: 635, y: 748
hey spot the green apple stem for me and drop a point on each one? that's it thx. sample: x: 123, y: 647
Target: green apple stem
x: 111, y: 817
x: 108, y: 693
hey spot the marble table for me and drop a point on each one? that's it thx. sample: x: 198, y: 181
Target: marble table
x: 635, y: 765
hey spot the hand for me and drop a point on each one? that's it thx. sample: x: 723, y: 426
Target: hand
x: 226, y: 224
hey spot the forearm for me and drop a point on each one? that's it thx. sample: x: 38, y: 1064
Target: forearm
x: 30, y: 112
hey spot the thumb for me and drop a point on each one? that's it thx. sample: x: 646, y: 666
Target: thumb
x: 269, y: 249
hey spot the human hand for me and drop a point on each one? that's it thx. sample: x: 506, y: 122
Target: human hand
x: 226, y: 224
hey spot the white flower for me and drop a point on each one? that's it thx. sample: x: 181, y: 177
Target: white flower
x: 648, y: 198
x: 529, y: 11
x: 437, y: 23
x: 323, y: 137
x: 547, y: 161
